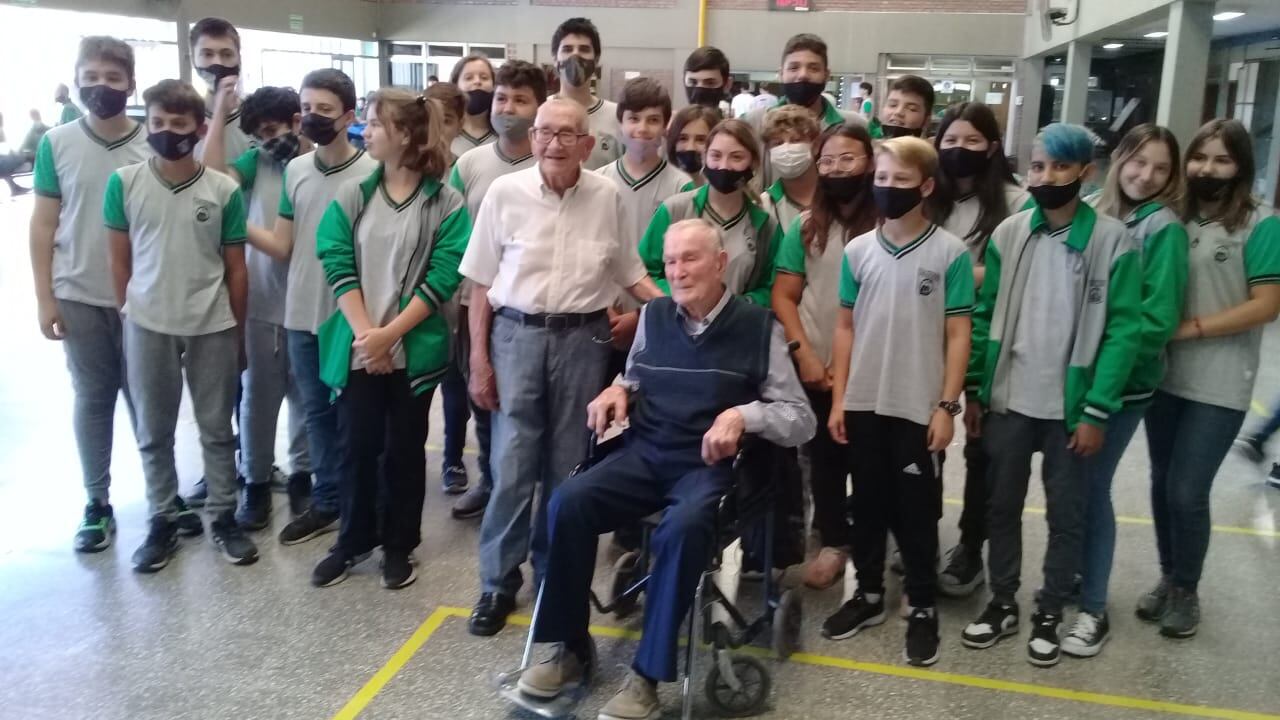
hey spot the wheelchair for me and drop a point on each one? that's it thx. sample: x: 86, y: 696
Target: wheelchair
x: 736, y: 685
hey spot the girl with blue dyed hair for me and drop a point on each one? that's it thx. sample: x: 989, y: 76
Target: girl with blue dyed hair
x: 1054, y: 335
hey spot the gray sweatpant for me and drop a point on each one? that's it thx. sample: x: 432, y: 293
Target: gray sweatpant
x: 94, y: 345
x: 1010, y: 440
x: 267, y: 382
x: 156, y: 365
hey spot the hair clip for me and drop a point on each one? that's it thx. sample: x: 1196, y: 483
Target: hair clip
x: 421, y: 99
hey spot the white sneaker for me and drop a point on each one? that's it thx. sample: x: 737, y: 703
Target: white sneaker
x: 1087, y: 636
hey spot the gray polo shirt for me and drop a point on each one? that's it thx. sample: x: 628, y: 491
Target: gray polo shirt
x: 236, y: 141
x: 964, y: 217
x: 261, y: 180
x: 602, y: 123
x: 464, y: 143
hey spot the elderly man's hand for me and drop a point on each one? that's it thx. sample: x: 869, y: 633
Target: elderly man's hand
x: 722, y: 440
x: 483, y: 385
x: 609, y: 406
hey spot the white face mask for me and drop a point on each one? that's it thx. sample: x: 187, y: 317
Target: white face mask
x: 790, y: 160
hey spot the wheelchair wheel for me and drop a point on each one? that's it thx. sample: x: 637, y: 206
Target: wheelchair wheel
x: 787, y: 621
x: 626, y: 572
x: 750, y: 699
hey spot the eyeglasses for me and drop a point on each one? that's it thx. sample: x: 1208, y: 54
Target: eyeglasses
x: 840, y: 163
x: 567, y: 138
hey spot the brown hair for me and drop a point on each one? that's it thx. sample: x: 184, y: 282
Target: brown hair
x: 806, y: 41
x: 857, y: 217
x: 462, y: 64
x: 641, y: 92
x: 686, y: 115
x: 450, y: 98
x: 214, y: 27
x: 1171, y: 196
x: 419, y: 117
x: 790, y: 118
x: 106, y: 49
x: 177, y: 97
x: 520, y: 74
x: 1238, y: 202
x: 741, y: 132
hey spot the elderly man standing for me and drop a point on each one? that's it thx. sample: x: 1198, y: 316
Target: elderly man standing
x: 550, y: 248
x: 706, y: 368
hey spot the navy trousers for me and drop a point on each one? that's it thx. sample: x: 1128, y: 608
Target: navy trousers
x: 622, y: 488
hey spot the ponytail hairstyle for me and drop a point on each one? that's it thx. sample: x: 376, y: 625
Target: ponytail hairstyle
x: 1238, y: 201
x: 989, y: 187
x: 858, y: 216
x: 418, y: 117
x: 1171, y: 196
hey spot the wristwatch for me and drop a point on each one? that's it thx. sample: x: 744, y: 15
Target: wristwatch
x: 951, y: 406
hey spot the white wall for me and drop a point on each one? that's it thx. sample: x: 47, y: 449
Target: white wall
x: 332, y: 18
x: 1095, y: 17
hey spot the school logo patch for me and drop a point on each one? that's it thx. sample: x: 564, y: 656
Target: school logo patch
x: 1195, y: 242
x: 605, y: 145
x: 203, y: 212
x: 1095, y: 292
x: 1221, y: 253
x: 927, y: 281
x: 751, y: 245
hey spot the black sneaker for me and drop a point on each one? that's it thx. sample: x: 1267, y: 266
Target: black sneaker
x: 996, y: 622
x: 490, y: 614
x: 1154, y: 603
x: 922, y: 637
x: 231, y: 540
x: 1250, y: 447
x: 312, y: 523
x: 1087, y: 635
x: 160, y: 545
x: 471, y: 504
x: 397, y: 570
x: 298, y: 489
x: 189, y: 523
x: 454, y: 479
x: 1273, y: 479
x: 198, y: 494
x: 333, y: 568
x: 254, y: 512
x: 963, y: 574
x: 1044, y: 647
x: 97, y: 529
x: 853, y: 616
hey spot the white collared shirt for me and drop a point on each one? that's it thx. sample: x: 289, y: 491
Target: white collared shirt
x: 540, y: 252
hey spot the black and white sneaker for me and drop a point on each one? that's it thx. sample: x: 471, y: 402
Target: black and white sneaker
x: 158, y: 548
x: 996, y: 622
x: 232, y: 541
x: 97, y: 529
x: 856, y: 615
x: 189, y: 523
x: 397, y: 570
x: 333, y: 568
x: 453, y: 479
x: 963, y: 574
x: 312, y: 523
x: 1044, y: 647
x: 1087, y: 635
x: 922, y: 637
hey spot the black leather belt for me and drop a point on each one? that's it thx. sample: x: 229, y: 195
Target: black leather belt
x: 552, y: 321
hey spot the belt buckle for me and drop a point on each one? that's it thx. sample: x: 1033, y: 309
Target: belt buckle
x: 557, y: 322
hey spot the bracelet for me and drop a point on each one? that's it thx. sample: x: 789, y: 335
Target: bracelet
x: 1199, y: 330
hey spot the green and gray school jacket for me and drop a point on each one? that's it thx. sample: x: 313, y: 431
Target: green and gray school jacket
x: 1106, y: 278
x: 751, y: 238
x: 431, y: 273
x: 777, y: 203
x: 1161, y: 238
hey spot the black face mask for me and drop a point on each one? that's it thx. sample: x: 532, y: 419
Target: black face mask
x: 213, y: 74
x: 319, y: 129
x: 104, y: 101
x: 725, y: 180
x: 283, y: 148
x: 803, y: 92
x: 958, y: 162
x: 842, y: 188
x: 894, y: 202
x: 707, y: 97
x: 577, y: 71
x: 689, y: 161
x: 479, y: 102
x: 171, y: 145
x: 1208, y: 188
x: 893, y: 131
x: 1052, y: 197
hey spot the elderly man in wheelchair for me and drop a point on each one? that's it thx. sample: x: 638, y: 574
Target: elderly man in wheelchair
x: 706, y: 369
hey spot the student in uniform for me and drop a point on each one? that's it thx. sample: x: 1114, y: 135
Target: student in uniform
x: 790, y: 135
x: 176, y: 234
x: 215, y: 51
x: 311, y: 181
x: 520, y: 87
x: 1143, y: 189
x: 804, y: 75
x: 906, y: 110
x: 454, y: 105
x: 807, y: 301
x: 706, y: 77
x: 975, y: 191
x: 576, y: 44
x: 1233, y: 290
x: 74, y: 298
x: 1055, y: 332
x: 866, y: 107
x: 687, y: 139
x: 751, y: 234
x: 69, y: 113
x: 899, y: 353
x: 390, y: 245
x: 473, y: 75
x: 270, y: 116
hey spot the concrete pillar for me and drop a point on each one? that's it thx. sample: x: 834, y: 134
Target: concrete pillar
x: 1075, y: 93
x: 1269, y: 193
x: 1186, y: 67
x: 182, y: 26
x: 1029, y: 76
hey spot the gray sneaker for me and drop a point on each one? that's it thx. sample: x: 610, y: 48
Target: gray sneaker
x: 637, y: 700
x: 1153, y: 604
x: 1182, y: 617
x: 472, y: 503
x: 562, y: 670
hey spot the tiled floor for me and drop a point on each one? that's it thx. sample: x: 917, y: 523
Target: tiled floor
x: 85, y: 637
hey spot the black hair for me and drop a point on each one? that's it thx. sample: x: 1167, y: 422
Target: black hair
x: 214, y: 27
x: 520, y: 74
x: 268, y: 104
x: 916, y: 85
x: 576, y: 26
x: 708, y: 58
x: 868, y: 87
x: 336, y: 82
x: 993, y: 207
x: 175, y: 96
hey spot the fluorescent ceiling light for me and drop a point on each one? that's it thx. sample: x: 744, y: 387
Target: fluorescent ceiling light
x: 1156, y: 34
x: 1113, y: 46
x: 1229, y: 15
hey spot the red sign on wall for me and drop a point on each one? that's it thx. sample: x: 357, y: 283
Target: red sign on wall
x: 790, y: 5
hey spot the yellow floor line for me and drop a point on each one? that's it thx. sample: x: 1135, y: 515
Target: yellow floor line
x: 424, y: 632
x: 1132, y: 520
x: 1259, y: 409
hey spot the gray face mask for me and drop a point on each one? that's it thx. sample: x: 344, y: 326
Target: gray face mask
x: 577, y: 71
x: 511, y: 127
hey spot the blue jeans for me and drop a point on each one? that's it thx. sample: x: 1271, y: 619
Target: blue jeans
x: 457, y: 411
x: 1188, y: 441
x: 1272, y: 424
x: 1099, y: 515
x: 325, y: 443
